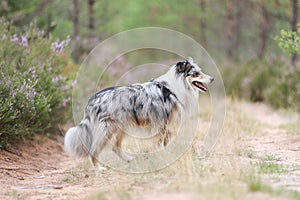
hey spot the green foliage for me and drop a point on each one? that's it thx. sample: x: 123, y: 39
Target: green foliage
x: 289, y: 41
x: 286, y: 91
x: 269, y: 80
x: 266, y: 80
x: 111, y: 17
x: 33, y: 92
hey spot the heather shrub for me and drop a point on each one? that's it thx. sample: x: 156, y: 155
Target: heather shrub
x: 34, y: 92
x: 269, y: 80
x: 286, y: 91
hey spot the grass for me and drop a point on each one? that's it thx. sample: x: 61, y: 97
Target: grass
x: 271, y: 168
x: 246, y: 153
x: 15, y: 194
x: 118, y: 193
x: 291, y: 128
x: 255, y: 184
x: 271, y: 158
x: 97, y: 196
x: 79, y: 173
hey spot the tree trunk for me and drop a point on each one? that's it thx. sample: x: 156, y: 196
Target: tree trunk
x: 91, y: 15
x: 229, y: 31
x: 238, y: 23
x: 294, y: 20
x: 92, y: 38
x: 75, y: 19
x: 263, y: 29
x: 202, y: 23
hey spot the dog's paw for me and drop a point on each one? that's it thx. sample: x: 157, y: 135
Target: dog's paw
x: 128, y: 158
x: 101, y: 169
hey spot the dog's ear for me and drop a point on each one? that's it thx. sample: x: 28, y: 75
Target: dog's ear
x: 183, y: 66
x: 180, y: 66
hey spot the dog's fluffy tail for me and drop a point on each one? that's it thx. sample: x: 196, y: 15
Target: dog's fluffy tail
x: 78, y: 140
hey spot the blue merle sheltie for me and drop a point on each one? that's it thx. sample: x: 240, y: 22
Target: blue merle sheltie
x: 157, y: 106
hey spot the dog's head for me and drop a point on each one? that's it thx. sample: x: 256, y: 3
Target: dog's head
x: 193, y: 75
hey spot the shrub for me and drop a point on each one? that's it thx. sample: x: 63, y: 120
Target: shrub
x: 268, y: 80
x: 286, y: 91
x: 34, y: 93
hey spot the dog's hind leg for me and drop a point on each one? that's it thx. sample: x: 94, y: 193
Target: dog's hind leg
x: 95, y: 155
x: 94, y: 158
x: 95, y: 163
x: 118, y: 150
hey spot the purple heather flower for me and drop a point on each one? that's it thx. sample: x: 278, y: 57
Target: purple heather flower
x: 14, y: 39
x: 58, y: 47
x: 65, y: 101
x: 24, y: 41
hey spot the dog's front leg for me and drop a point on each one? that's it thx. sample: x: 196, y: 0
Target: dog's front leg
x: 123, y: 155
x: 164, y: 139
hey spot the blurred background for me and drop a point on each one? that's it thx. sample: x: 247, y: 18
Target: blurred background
x: 231, y: 30
x: 254, y: 43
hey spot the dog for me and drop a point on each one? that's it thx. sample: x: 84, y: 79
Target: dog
x: 157, y: 106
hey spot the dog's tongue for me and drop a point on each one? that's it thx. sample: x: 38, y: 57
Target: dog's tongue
x: 200, y: 85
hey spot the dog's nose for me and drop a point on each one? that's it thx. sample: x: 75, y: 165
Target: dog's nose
x: 212, y: 79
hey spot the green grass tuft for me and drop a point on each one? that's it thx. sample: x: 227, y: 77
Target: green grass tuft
x: 271, y: 168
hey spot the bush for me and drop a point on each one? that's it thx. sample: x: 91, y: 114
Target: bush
x: 268, y: 80
x: 34, y: 93
x: 286, y: 92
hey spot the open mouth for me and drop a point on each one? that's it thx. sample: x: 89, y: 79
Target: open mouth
x: 200, y: 86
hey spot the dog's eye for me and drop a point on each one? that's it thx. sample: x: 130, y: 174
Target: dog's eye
x: 196, y: 74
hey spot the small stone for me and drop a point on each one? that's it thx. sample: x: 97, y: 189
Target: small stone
x: 56, y: 187
x: 85, y: 175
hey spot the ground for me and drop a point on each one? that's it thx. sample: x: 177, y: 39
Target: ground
x: 257, y: 156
